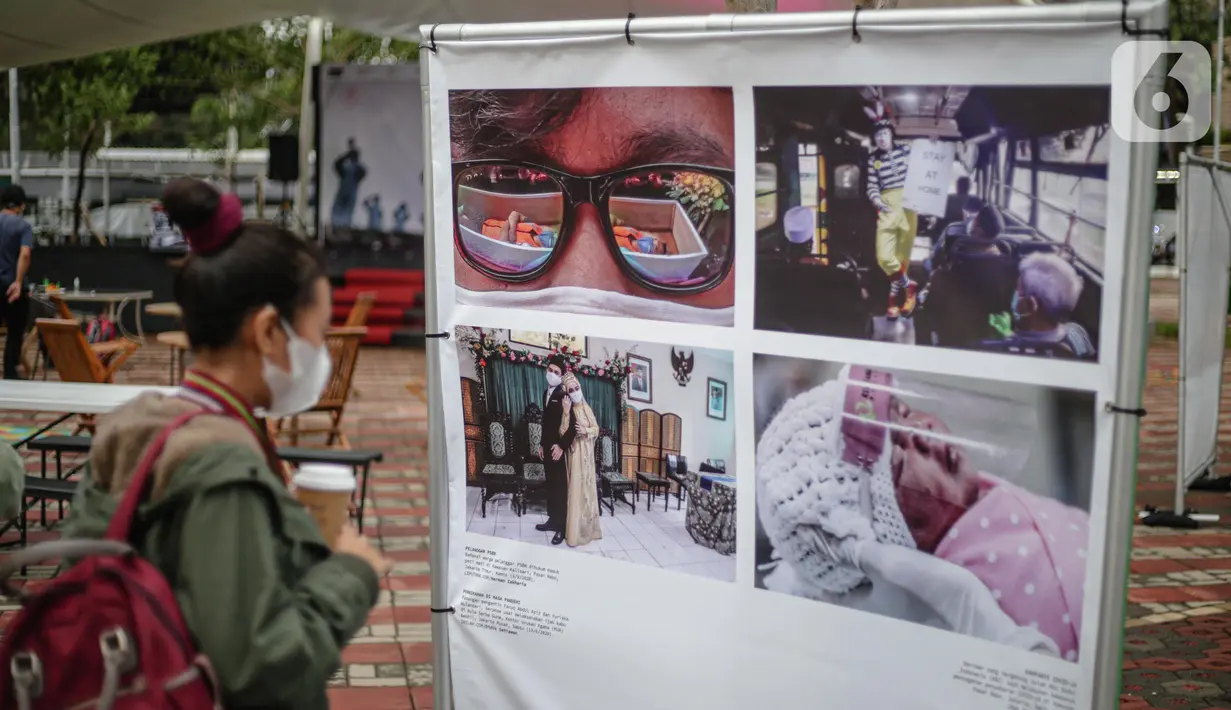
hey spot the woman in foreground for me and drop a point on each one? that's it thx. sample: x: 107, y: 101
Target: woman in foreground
x: 264, y: 596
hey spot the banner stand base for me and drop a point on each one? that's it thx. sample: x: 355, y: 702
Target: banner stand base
x: 1188, y: 520
x: 1220, y: 484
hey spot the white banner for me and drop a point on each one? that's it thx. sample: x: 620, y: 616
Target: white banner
x: 370, y: 155
x: 686, y: 468
x: 1205, y: 257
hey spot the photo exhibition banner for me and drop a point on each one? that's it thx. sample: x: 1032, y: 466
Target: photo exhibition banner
x: 776, y: 367
x: 370, y: 169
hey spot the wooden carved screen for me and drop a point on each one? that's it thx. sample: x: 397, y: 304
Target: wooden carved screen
x: 472, y: 413
x: 673, y: 435
x: 629, y: 443
x: 650, y: 455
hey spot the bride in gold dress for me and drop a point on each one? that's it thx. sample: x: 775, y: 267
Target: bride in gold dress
x: 581, y: 526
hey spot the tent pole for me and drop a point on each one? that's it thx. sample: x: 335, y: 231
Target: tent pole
x: 307, y: 132
x: 14, y: 128
x: 1219, y: 78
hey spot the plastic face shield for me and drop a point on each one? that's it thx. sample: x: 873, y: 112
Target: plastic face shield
x: 944, y: 443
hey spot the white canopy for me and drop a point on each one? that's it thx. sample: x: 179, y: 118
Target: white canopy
x: 37, y: 31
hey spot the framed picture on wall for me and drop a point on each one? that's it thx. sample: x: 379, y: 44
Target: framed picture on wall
x: 640, y: 379
x: 532, y: 338
x: 572, y: 342
x: 716, y: 399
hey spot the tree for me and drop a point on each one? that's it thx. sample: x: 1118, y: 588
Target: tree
x: 67, y: 104
x: 752, y: 5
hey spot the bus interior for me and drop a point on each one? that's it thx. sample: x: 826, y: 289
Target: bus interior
x: 1044, y: 168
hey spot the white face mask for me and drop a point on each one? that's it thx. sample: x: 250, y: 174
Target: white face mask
x: 297, y: 391
x: 576, y: 396
x: 553, y: 379
x: 597, y: 302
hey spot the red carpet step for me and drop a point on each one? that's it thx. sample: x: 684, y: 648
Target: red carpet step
x: 397, y: 315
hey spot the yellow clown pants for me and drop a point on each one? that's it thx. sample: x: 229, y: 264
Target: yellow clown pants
x: 895, y: 233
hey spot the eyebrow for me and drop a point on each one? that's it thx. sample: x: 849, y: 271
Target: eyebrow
x: 651, y: 147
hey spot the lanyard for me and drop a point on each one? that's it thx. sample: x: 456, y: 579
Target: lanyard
x: 207, y: 391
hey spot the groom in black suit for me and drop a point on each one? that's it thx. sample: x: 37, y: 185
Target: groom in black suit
x: 555, y: 448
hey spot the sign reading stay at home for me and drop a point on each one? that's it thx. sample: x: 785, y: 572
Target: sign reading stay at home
x: 927, y: 176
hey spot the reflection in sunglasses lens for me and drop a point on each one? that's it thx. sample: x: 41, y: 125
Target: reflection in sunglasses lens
x: 508, y: 217
x: 673, y: 227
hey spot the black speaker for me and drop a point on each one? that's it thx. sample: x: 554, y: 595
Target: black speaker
x: 283, y: 158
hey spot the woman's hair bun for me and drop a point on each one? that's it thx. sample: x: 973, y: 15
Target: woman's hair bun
x: 190, y: 202
x: 209, y: 219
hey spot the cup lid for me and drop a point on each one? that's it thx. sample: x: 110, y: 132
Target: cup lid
x: 324, y: 477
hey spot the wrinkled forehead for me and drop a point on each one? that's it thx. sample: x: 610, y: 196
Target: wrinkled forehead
x: 616, y: 128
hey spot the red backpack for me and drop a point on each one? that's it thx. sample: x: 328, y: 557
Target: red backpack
x: 107, y: 633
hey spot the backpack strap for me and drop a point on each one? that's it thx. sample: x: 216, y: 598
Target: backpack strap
x: 121, y: 522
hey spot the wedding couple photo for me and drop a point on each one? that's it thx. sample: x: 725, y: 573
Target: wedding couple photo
x: 602, y: 446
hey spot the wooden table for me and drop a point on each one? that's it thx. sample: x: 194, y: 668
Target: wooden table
x: 114, y: 302
x: 177, y: 340
x: 164, y: 310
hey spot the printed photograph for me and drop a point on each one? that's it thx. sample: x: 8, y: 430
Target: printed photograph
x: 558, y: 453
x: 607, y: 201
x: 957, y: 503
x: 969, y: 217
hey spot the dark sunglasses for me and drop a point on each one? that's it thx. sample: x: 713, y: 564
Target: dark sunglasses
x: 670, y: 227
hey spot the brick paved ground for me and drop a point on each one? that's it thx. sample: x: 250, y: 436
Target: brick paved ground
x: 388, y: 666
x: 1178, y: 631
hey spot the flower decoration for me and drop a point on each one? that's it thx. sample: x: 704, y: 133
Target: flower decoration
x: 484, y: 347
x: 700, y: 194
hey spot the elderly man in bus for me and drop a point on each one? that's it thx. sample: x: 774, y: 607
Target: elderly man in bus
x: 1048, y: 288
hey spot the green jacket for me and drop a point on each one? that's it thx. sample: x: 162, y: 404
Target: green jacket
x: 260, y: 591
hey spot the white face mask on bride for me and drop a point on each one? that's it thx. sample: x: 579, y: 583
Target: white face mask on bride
x: 576, y: 396
x: 298, y: 390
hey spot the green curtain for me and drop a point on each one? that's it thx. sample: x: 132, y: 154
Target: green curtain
x: 510, y: 386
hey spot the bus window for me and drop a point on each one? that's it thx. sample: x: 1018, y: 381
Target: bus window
x: 1164, y: 195
x: 767, y: 195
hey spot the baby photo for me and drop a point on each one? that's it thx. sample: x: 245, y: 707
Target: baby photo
x: 957, y: 503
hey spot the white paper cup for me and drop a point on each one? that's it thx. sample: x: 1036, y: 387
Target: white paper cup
x: 325, y: 490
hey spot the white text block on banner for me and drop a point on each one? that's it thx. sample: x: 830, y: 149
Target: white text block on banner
x: 637, y: 438
x: 928, y: 176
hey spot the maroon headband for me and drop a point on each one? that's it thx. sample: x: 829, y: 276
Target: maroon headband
x: 216, y: 234
x: 865, y: 413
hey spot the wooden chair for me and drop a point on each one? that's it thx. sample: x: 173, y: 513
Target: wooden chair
x: 76, y: 361
x: 358, y: 316
x: 343, y: 346
x: 105, y: 351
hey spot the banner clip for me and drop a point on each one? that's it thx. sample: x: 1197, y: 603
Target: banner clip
x: 431, y: 37
x: 628, y: 28
x: 1113, y: 409
x: 446, y: 610
x: 1164, y: 33
x: 855, y: 36
x: 443, y: 334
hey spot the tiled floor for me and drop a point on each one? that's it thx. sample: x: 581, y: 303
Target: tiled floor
x: 652, y: 537
x: 388, y: 665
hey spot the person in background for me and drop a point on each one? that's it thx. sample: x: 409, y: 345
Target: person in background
x: 16, y: 245
x: 265, y: 597
x: 1048, y: 288
x: 956, y: 202
x: 959, y: 227
x: 558, y: 434
x: 581, y: 526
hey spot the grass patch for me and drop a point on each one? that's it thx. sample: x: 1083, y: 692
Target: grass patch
x: 1171, y: 331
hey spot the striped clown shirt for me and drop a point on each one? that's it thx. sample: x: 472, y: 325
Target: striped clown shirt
x: 887, y: 171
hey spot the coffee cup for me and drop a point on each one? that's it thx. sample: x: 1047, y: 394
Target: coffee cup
x: 325, y: 490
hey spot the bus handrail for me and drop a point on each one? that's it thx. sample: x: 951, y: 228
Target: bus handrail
x: 1071, y: 213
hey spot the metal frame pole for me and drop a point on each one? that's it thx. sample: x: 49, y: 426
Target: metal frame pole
x: 438, y: 476
x: 14, y: 127
x: 1130, y: 378
x: 1181, y: 257
x: 1218, y: 79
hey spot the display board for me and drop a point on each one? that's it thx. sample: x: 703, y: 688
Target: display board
x: 1205, y: 256
x: 370, y: 165
x: 727, y: 423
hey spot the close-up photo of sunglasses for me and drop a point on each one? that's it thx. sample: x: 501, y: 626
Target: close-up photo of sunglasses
x: 668, y: 226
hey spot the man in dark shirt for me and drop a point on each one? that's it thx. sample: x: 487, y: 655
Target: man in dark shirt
x: 556, y: 410
x: 16, y: 243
